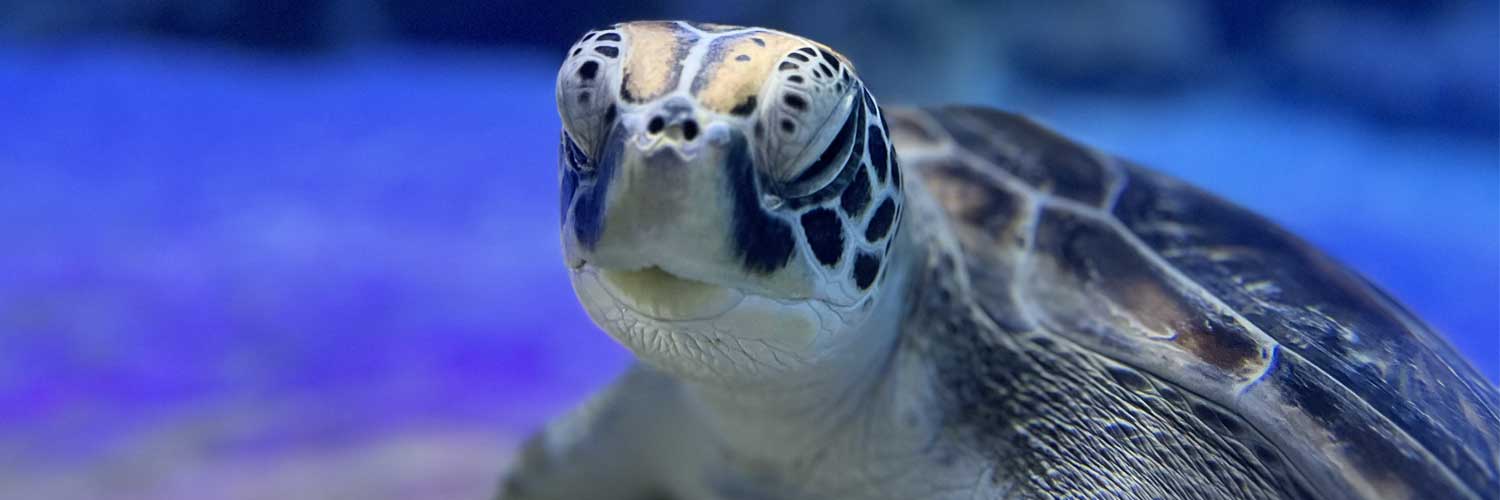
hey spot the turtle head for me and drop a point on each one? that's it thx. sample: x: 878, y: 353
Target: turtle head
x: 729, y: 195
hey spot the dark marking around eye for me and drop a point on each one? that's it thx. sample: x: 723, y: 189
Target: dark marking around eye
x: 609, y: 37
x: 588, y: 70
x: 742, y: 58
x: 880, y: 223
x: 744, y: 108
x: 758, y: 41
x: 798, y: 57
x: 866, y: 266
x: 795, y: 101
x: 787, y: 125
x: 569, y: 186
x: 588, y: 208
x: 608, y: 51
x: 825, y: 234
x: 877, y: 152
x: 857, y: 195
x: 829, y: 57
x: 765, y: 243
x: 786, y: 66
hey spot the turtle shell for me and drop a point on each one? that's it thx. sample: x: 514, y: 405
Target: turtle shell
x: 1175, y: 294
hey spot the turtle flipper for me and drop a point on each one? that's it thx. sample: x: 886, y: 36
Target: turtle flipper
x: 607, y: 449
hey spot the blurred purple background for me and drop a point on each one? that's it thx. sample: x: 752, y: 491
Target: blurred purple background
x: 309, y: 250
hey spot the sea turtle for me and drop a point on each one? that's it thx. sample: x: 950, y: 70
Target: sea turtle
x: 1005, y: 313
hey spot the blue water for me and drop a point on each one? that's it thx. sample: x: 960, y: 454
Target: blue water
x: 223, y: 268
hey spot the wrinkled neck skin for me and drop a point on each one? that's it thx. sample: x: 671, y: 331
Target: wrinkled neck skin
x: 865, y: 423
x: 843, y: 412
x: 861, y: 423
x: 794, y: 412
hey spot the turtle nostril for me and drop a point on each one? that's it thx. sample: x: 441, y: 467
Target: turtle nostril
x: 656, y: 125
x: 689, y: 130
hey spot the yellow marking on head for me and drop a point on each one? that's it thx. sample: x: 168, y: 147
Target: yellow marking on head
x: 655, y: 57
x: 730, y: 81
x: 715, y: 27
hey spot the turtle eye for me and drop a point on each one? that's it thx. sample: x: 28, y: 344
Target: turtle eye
x: 810, y: 120
x: 584, y: 100
x: 829, y: 162
x: 573, y: 156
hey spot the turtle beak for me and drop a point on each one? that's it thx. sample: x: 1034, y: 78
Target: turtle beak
x: 674, y: 205
x: 654, y: 198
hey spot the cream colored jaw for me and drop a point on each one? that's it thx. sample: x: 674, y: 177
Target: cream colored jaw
x: 661, y: 295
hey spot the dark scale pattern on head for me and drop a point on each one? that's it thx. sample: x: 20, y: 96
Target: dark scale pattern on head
x: 798, y: 57
x: 787, y: 66
x: 878, y: 156
x: 829, y: 57
x: 742, y: 58
x: 764, y: 243
x: 895, y: 172
x: 744, y: 108
x: 866, y: 267
x: 857, y: 195
x: 609, y: 37
x: 795, y: 79
x: 795, y: 101
x: 825, y: 234
x: 880, y: 223
x: 625, y: 93
x: 608, y: 51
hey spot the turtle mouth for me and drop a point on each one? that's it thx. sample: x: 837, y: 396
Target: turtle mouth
x: 655, y: 293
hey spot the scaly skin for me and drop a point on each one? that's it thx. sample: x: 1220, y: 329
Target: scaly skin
x: 1025, y: 318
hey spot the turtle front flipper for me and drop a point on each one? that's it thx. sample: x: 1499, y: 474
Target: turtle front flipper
x: 614, y: 447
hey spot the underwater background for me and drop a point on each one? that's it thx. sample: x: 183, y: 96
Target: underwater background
x: 308, y: 248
